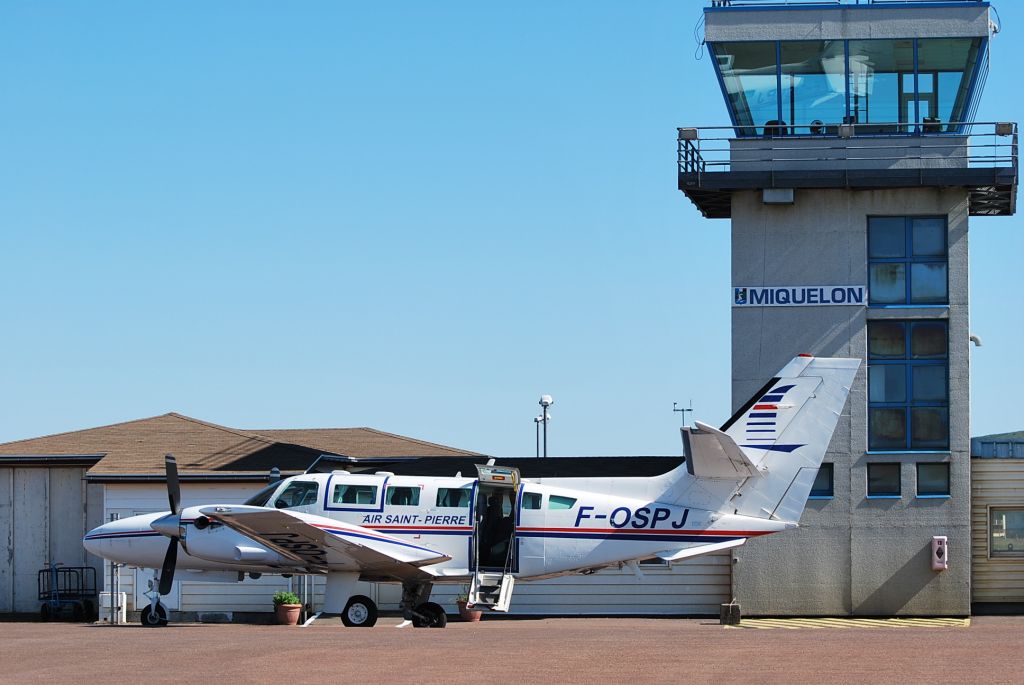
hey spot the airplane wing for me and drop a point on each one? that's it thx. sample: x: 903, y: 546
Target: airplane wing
x: 323, y: 544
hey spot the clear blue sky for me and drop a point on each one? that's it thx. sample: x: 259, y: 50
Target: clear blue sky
x: 412, y: 216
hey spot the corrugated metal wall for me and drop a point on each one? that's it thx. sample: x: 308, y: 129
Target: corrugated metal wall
x: 44, y: 512
x: 994, y: 482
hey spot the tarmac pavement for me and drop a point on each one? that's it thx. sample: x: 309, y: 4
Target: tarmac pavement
x: 551, y: 651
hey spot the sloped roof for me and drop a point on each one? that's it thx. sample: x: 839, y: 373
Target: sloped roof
x: 1015, y: 435
x: 361, y: 442
x: 138, y: 447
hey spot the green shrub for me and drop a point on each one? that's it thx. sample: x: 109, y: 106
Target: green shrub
x: 286, y: 598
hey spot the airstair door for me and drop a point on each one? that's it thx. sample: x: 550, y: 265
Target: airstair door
x: 494, y: 549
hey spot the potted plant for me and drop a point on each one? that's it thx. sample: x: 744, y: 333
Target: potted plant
x: 287, y: 606
x: 465, y: 612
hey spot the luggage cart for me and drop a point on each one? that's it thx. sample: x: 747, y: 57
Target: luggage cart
x: 67, y: 590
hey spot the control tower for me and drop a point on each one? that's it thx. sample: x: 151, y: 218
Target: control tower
x: 850, y: 169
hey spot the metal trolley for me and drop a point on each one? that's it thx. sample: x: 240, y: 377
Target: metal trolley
x: 67, y: 590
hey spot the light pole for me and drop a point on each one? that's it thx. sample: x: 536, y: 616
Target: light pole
x: 536, y: 421
x: 545, y: 402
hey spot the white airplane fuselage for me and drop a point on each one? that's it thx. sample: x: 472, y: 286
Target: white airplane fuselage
x: 557, y: 530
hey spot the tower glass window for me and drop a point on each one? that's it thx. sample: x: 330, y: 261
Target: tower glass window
x: 908, y: 388
x: 750, y: 78
x: 887, y: 86
x: 908, y: 261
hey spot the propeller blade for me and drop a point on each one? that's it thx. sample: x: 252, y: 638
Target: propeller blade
x: 173, y: 490
x: 167, y: 572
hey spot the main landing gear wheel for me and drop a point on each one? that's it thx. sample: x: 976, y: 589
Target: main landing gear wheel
x: 360, y: 612
x: 429, y: 615
x: 154, y: 619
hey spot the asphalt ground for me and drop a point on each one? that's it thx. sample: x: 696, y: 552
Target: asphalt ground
x: 550, y: 651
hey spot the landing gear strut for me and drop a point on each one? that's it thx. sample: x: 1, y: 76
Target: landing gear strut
x: 154, y: 615
x: 416, y: 608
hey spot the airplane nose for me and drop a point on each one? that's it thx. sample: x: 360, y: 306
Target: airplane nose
x: 169, y: 525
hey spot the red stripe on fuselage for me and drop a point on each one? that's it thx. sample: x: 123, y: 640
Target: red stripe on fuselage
x: 652, y: 531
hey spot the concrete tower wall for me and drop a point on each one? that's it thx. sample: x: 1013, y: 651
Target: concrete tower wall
x: 852, y: 554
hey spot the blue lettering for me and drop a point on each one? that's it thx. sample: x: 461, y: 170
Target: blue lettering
x: 782, y: 296
x: 760, y: 296
x: 855, y: 295
x: 641, y: 517
x: 660, y: 514
x: 583, y: 514
x: 800, y: 295
x: 838, y: 295
x: 681, y: 522
x: 814, y: 296
x: 625, y: 520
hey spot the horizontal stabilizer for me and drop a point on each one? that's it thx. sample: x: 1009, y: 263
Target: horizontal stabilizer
x: 710, y: 453
x: 676, y: 555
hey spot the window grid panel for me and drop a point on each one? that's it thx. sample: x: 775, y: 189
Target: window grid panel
x: 891, y: 276
x: 924, y: 399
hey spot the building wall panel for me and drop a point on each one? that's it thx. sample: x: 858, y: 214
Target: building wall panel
x: 30, y: 539
x: 994, y: 482
x: 6, y: 540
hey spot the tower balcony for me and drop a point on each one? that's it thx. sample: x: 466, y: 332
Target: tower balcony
x: 980, y: 157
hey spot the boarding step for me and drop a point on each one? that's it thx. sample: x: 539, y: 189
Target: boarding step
x: 491, y: 590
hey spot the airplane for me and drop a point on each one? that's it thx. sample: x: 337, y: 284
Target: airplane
x: 750, y: 478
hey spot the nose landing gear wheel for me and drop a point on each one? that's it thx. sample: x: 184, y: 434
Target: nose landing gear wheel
x: 360, y: 612
x: 154, y: 619
x: 430, y: 615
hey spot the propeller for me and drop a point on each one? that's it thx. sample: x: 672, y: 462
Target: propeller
x: 170, y: 525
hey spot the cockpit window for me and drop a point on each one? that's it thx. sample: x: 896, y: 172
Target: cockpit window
x: 299, y: 493
x: 453, y: 497
x: 261, y: 498
x: 531, y: 500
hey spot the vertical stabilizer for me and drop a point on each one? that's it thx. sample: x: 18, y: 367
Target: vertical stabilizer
x: 784, y: 430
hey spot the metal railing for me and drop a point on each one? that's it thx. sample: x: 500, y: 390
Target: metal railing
x: 710, y: 149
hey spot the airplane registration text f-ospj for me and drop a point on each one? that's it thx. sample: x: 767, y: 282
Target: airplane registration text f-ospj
x: 749, y: 478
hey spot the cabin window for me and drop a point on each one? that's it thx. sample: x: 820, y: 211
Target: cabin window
x: 559, y: 502
x: 299, y: 493
x: 531, y: 500
x: 354, y: 494
x: 403, y: 496
x: 453, y: 498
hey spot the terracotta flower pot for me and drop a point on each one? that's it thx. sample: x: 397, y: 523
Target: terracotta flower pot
x: 467, y: 614
x: 287, y: 614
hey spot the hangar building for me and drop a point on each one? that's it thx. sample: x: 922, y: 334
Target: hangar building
x: 63, y: 485
x: 849, y: 171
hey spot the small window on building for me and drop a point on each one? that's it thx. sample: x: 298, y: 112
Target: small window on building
x: 908, y: 262
x: 531, y: 500
x: 1006, y: 532
x: 559, y: 502
x: 403, y: 496
x: 823, y: 487
x: 884, y: 480
x: 455, y: 498
x: 299, y: 493
x: 354, y: 494
x: 933, y: 480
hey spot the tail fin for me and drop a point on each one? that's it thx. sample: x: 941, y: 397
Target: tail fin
x: 775, y: 443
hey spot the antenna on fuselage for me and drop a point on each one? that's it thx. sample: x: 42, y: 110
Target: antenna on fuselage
x: 682, y: 412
